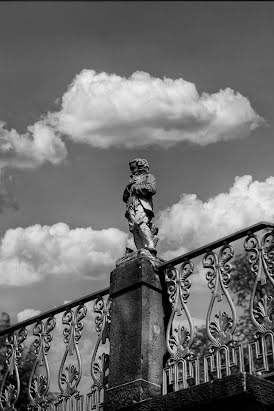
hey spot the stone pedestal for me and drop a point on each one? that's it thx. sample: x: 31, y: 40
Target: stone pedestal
x: 137, y: 335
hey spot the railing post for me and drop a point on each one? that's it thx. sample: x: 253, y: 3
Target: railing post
x: 137, y: 335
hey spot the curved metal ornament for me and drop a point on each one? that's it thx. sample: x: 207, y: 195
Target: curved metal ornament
x: 70, y: 375
x: 10, y: 387
x: 261, y: 259
x: 179, y: 337
x: 39, y: 382
x: 100, y: 363
x: 220, y: 330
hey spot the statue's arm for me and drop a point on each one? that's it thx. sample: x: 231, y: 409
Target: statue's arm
x: 126, y: 194
x: 127, y: 190
x: 147, y: 187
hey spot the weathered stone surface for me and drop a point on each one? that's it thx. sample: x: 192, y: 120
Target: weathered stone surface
x: 236, y: 392
x: 137, y: 334
x: 130, y: 256
x: 133, y: 274
x: 131, y: 393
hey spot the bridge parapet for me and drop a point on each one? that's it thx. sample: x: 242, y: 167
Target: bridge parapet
x: 58, y: 388
x: 142, y: 336
x: 230, y: 341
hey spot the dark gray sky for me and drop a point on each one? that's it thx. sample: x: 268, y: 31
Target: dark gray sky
x: 44, y: 45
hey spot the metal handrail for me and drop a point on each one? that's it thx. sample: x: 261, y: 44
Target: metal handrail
x: 215, y: 244
x: 55, y: 311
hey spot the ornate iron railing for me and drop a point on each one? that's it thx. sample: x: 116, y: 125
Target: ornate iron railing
x: 57, y: 378
x: 226, y: 352
x: 66, y: 394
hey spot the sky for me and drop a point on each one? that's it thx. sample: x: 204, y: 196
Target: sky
x: 85, y: 87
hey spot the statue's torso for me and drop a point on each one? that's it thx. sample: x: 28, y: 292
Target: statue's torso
x: 143, y: 182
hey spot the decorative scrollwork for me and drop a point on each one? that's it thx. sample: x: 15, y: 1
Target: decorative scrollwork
x: 179, y: 337
x: 220, y: 330
x: 39, y: 382
x: 10, y: 387
x: 221, y: 327
x: 261, y: 259
x: 69, y: 374
x: 100, y: 363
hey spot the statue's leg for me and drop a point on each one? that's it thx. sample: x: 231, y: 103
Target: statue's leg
x: 145, y: 235
x: 134, y: 228
x: 137, y: 238
x: 131, y: 219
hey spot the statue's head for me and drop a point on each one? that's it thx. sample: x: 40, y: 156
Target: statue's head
x: 139, y: 166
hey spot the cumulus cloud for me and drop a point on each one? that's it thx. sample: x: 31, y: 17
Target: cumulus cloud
x: 40, y: 144
x: 107, y: 110
x: 32, y: 149
x: 27, y: 313
x: 30, y: 254
x: 191, y: 223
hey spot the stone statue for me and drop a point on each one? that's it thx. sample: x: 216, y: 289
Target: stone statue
x: 139, y: 206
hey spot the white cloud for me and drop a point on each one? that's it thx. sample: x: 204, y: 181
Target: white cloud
x: 38, y: 145
x: 30, y: 254
x: 107, y: 110
x: 32, y: 149
x: 27, y: 313
x: 191, y: 223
